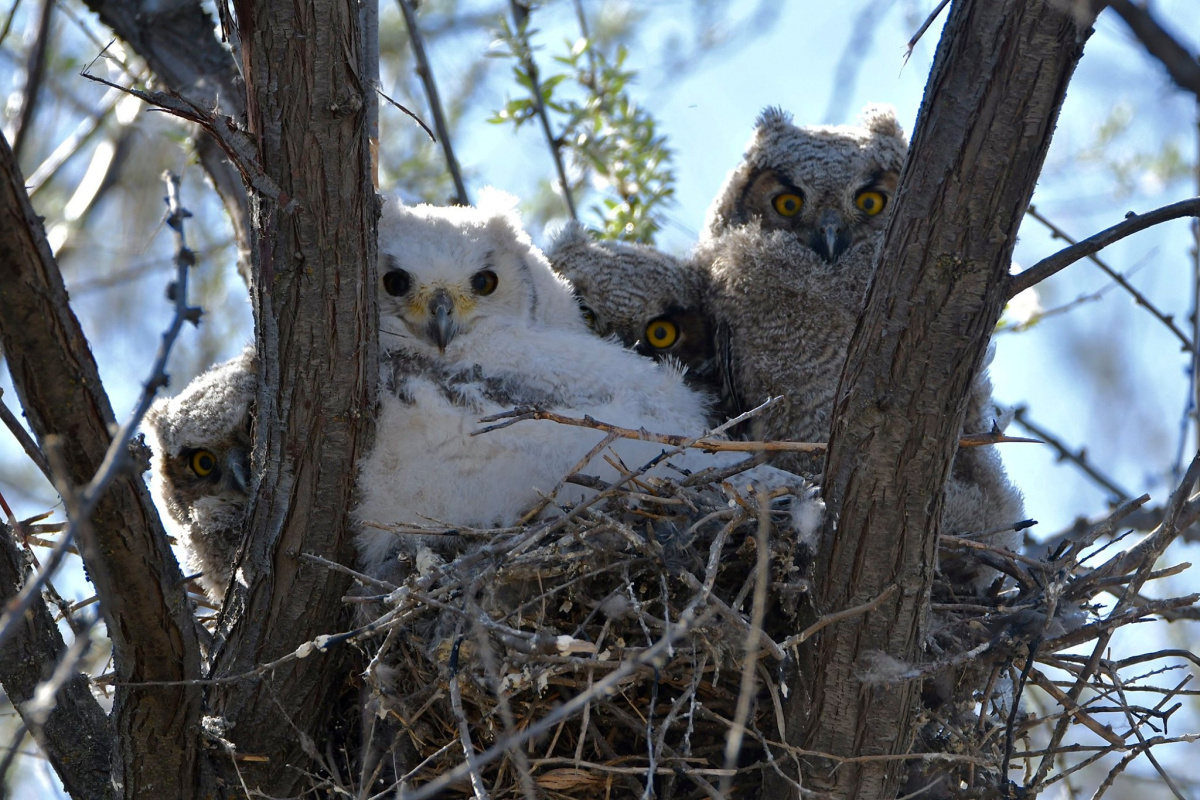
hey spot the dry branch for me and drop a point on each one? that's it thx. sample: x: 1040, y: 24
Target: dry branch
x: 125, y: 549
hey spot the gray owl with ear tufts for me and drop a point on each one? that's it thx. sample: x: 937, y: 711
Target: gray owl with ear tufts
x: 789, y: 248
x: 200, y: 472
x: 651, y: 302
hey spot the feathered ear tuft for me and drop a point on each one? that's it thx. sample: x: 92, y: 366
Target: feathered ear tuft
x: 773, y: 117
x: 880, y: 119
x: 572, y: 234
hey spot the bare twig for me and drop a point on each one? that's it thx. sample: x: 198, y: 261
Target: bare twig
x: 24, y: 439
x: 464, y: 728
x: 411, y: 113
x: 1180, y: 63
x: 747, y: 685
x: 520, y: 12
x: 1079, y: 459
x: 916, y: 37
x: 240, y: 148
x: 69, y: 146
x: 81, y: 503
x: 1093, y: 244
x: 35, y: 72
x: 435, y: 102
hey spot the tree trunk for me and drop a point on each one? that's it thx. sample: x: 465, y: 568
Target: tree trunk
x: 316, y: 320
x: 124, y: 548
x: 990, y: 106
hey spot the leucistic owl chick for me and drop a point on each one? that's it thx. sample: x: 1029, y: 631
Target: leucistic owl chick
x: 650, y: 301
x: 200, y: 470
x: 473, y: 322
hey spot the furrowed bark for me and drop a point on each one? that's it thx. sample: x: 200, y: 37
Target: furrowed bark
x: 314, y: 302
x: 990, y: 107
x: 76, y: 737
x: 124, y: 548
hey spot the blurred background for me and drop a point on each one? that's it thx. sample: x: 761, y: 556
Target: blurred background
x: 654, y: 104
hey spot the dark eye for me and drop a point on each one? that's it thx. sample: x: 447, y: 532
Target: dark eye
x: 203, y: 462
x: 484, y: 283
x: 870, y: 202
x: 589, y: 316
x: 661, y: 333
x: 396, y: 282
x: 788, y: 204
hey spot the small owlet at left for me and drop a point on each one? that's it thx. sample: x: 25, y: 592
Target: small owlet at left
x: 200, y: 472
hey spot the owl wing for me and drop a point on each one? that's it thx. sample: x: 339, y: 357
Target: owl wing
x: 727, y: 376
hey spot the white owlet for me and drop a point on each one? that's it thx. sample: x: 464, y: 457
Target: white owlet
x: 473, y: 322
x: 200, y: 470
x: 651, y: 302
x: 789, y: 247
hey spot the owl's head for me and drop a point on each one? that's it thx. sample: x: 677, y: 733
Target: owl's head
x: 443, y: 270
x: 201, y: 440
x: 650, y: 301
x: 830, y: 186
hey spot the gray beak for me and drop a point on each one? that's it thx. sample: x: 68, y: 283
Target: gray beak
x: 441, y: 327
x: 831, y: 229
x: 237, y: 470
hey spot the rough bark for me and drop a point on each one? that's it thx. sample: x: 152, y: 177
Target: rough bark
x: 125, y: 550
x: 176, y: 40
x: 990, y: 106
x: 314, y: 303
x: 76, y: 737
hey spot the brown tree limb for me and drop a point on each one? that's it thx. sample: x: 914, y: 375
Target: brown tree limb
x: 125, y: 549
x: 998, y: 82
x: 1181, y: 64
x: 176, y: 40
x: 1097, y: 242
x: 76, y: 733
x: 313, y: 290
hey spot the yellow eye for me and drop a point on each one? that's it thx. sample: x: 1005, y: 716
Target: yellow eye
x: 870, y: 202
x: 203, y: 463
x: 788, y: 204
x: 589, y: 316
x: 484, y: 283
x: 661, y: 333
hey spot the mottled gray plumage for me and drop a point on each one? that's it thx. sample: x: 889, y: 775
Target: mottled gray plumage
x: 789, y: 247
x: 201, y: 465
x: 650, y: 301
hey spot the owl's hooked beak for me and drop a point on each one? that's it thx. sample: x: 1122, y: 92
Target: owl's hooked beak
x: 831, y: 238
x: 441, y: 328
x: 237, y: 470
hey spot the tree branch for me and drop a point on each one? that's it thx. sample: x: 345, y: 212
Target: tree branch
x: 435, y: 101
x: 76, y: 733
x: 1181, y: 64
x: 1097, y: 242
x: 993, y: 97
x: 176, y: 40
x: 125, y: 549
